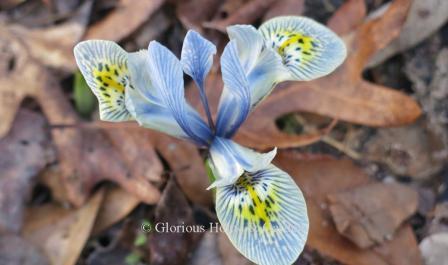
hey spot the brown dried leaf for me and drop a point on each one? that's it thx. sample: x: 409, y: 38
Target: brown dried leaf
x: 172, y: 248
x: 319, y: 177
x: 349, y: 16
x: 247, y: 14
x: 187, y: 165
x: 14, y: 250
x: 425, y: 18
x: 193, y: 17
x: 123, y: 20
x: 25, y: 151
x: 285, y: 8
x: 370, y: 215
x: 117, y: 204
x: 61, y: 234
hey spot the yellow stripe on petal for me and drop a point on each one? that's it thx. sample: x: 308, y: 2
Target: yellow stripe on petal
x: 264, y: 215
x: 104, y: 66
x: 309, y: 50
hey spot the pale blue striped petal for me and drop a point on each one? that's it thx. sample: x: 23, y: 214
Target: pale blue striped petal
x: 309, y: 49
x: 197, y: 59
x: 228, y: 160
x: 166, y: 75
x: 104, y: 67
x: 197, y: 56
x: 234, y: 104
x: 265, y: 216
x: 142, y: 101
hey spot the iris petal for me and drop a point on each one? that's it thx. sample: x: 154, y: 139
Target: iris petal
x: 234, y: 104
x: 230, y: 160
x: 197, y: 59
x: 144, y: 104
x: 104, y: 67
x: 262, y: 65
x: 166, y: 76
x: 265, y: 217
x: 309, y: 49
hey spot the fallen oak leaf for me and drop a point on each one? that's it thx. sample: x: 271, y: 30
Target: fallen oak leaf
x: 117, y: 204
x: 247, y: 14
x: 123, y: 20
x: 348, y: 17
x: 425, y: 18
x: 318, y: 177
x: 370, y: 214
x: 59, y: 233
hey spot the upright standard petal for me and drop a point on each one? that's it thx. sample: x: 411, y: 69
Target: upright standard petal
x: 309, y: 49
x: 197, y: 59
x: 263, y: 66
x: 230, y: 160
x: 167, y: 78
x: 197, y: 56
x: 104, y: 67
x: 234, y: 104
x: 144, y: 103
x: 264, y: 215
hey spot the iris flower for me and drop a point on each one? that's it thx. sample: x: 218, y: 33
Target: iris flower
x: 259, y: 206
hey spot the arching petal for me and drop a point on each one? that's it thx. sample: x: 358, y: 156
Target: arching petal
x: 309, y: 49
x: 265, y: 217
x: 197, y: 56
x: 104, y: 67
x: 230, y: 160
x: 263, y: 66
x: 166, y: 76
x: 234, y: 104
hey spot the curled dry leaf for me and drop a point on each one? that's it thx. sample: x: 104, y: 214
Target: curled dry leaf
x: 425, y: 18
x: 246, y: 14
x: 117, y: 204
x: 25, y: 151
x: 15, y: 250
x: 370, y: 214
x: 172, y: 248
x: 59, y: 233
x: 123, y: 20
x: 319, y: 177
